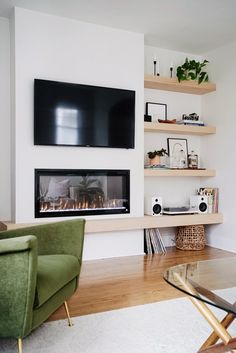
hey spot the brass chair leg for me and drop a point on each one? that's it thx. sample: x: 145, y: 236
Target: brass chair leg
x: 68, y: 314
x: 19, y: 342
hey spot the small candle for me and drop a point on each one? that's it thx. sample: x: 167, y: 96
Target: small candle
x: 171, y: 69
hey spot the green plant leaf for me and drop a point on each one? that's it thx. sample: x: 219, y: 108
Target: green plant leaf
x: 203, y: 77
x: 192, y: 75
x: 192, y: 70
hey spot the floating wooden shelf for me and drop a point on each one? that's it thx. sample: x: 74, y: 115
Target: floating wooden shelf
x: 172, y: 84
x: 133, y: 223
x: 179, y: 129
x: 182, y: 220
x: 179, y: 172
x: 145, y: 222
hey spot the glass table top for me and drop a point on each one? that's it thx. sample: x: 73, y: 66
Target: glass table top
x: 211, y: 281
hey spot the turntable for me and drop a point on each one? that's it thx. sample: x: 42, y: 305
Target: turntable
x: 178, y: 210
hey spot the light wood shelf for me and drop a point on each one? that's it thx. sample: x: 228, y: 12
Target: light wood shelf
x: 182, y: 220
x: 108, y: 225
x: 172, y: 84
x: 179, y: 172
x: 134, y: 223
x: 178, y: 129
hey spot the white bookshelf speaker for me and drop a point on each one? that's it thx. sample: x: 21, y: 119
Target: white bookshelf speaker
x: 153, y: 206
x: 199, y: 203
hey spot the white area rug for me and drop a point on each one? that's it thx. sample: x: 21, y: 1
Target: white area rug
x: 173, y: 326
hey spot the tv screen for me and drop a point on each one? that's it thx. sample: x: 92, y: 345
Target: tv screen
x: 71, y: 114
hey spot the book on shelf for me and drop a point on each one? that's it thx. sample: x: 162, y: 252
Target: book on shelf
x: 155, y: 166
x: 191, y: 122
x: 147, y: 242
x: 213, y: 198
x: 160, y: 241
x: 153, y: 242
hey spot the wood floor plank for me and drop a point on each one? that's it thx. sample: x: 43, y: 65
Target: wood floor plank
x: 115, y: 283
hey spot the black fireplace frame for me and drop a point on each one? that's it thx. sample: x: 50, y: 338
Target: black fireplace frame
x: 82, y: 172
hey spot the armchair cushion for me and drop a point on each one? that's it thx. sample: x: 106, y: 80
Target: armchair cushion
x: 54, y: 272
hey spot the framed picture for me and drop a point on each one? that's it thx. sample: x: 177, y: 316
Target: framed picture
x: 156, y: 111
x: 178, y: 152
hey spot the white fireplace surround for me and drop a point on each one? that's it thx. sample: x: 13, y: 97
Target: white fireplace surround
x: 65, y: 50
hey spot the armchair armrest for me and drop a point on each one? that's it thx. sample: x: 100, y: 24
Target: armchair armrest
x: 18, y: 264
x: 14, y: 245
x: 64, y: 237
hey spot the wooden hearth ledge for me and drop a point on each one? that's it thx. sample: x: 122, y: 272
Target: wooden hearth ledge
x: 133, y: 223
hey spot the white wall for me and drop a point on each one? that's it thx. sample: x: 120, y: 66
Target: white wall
x: 219, y: 150
x: 61, y: 49
x: 5, y: 204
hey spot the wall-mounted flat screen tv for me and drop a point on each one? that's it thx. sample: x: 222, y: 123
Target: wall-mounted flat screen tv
x: 71, y: 114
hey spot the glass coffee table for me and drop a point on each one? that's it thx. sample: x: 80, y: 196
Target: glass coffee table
x: 203, y: 282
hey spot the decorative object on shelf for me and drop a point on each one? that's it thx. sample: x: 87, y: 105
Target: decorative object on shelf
x: 154, y: 65
x: 147, y: 118
x: 190, y: 237
x: 171, y: 70
x: 173, y: 121
x: 192, y: 70
x: 192, y: 160
x: 178, y: 152
x: 155, y: 156
x: 156, y: 110
x: 191, y: 119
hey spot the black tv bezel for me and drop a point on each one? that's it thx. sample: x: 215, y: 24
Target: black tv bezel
x: 132, y: 144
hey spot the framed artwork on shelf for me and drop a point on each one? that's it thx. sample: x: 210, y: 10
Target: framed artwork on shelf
x: 178, y: 152
x: 156, y: 111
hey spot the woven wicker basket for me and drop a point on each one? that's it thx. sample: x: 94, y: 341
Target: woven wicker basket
x: 190, y: 237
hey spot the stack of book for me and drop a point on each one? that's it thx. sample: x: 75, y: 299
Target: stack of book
x: 191, y: 119
x: 153, y: 242
x: 213, y: 198
x: 191, y: 122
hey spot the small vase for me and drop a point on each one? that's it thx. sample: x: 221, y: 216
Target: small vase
x: 155, y: 161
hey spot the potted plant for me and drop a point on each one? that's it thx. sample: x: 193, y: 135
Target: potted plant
x: 192, y: 70
x: 155, y: 156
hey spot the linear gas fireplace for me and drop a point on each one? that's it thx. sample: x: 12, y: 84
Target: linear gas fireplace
x: 81, y: 192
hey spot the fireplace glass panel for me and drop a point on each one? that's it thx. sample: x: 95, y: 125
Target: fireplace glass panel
x: 81, y: 192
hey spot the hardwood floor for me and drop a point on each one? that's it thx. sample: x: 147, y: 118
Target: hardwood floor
x: 115, y: 283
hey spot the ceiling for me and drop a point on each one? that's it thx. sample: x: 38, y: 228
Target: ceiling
x: 192, y: 26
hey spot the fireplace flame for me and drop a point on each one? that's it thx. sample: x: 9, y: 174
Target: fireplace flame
x: 67, y: 204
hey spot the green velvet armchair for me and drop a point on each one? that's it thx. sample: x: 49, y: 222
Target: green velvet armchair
x: 40, y: 267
